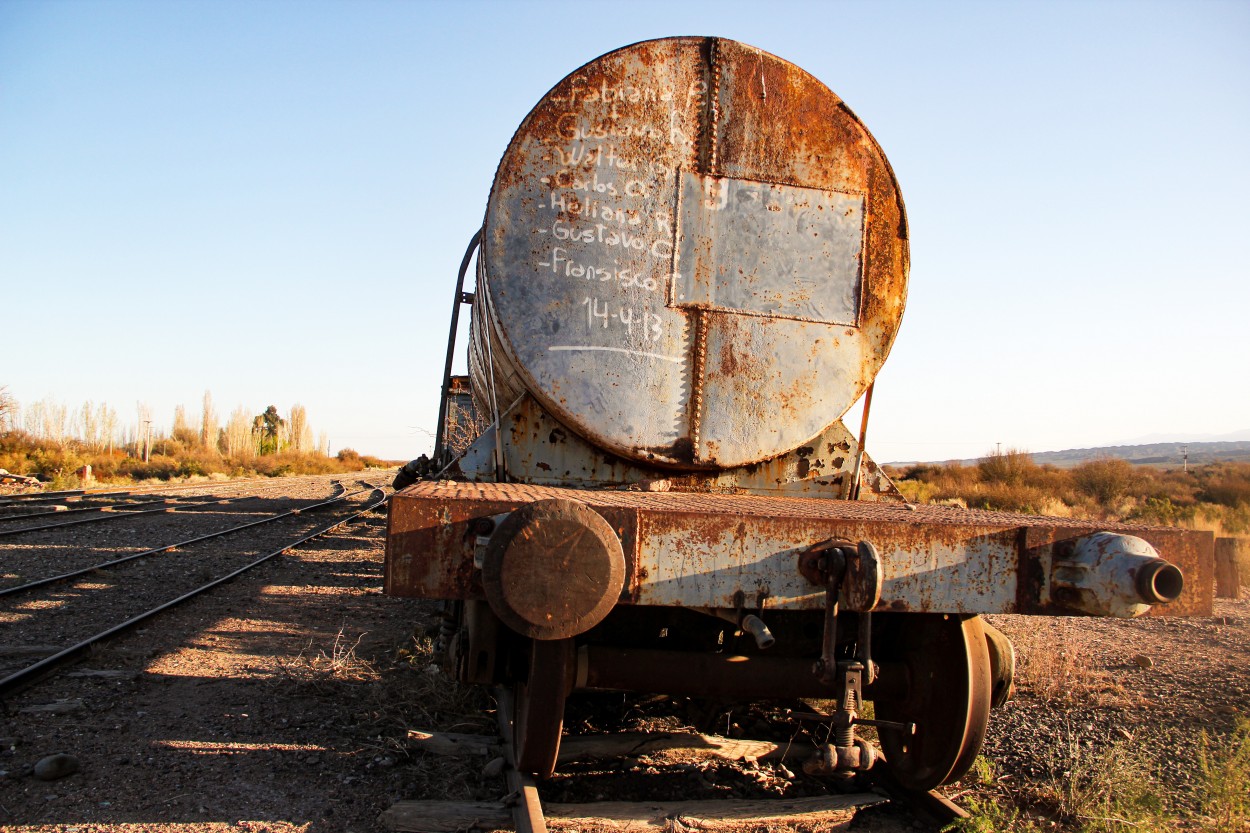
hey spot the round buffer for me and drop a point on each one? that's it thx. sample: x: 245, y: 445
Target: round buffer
x: 553, y: 569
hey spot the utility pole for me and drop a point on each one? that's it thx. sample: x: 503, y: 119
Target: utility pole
x: 1185, y: 454
x: 147, y: 439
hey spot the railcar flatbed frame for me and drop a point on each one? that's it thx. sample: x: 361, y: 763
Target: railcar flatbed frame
x: 714, y: 550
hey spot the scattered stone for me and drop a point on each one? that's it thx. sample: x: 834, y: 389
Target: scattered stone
x: 493, y: 769
x: 55, y: 766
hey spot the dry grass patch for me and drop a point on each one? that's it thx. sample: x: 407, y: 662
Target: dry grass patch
x: 1225, y: 769
x: 1051, y: 668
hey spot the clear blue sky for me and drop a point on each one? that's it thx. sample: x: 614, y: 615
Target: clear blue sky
x: 270, y: 200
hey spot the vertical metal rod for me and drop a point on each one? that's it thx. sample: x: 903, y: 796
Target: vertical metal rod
x: 440, y: 433
x: 853, y: 492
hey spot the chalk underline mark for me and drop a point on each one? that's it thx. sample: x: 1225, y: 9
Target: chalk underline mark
x: 674, y: 359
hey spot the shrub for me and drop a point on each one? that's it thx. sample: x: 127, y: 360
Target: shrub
x: 1013, y: 467
x: 1008, y: 497
x: 159, y: 467
x: 293, y: 462
x: 1106, y: 479
x: 1227, y: 484
x: 1111, y: 791
x: 1161, y: 511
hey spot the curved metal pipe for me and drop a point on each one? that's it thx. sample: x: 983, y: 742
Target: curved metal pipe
x: 439, y: 430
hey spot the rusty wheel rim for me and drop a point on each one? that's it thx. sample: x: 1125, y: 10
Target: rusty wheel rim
x: 948, y: 698
x: 539, y: 700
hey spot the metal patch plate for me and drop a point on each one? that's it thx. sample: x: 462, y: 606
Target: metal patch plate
x: 771, y: 250
x: 699, y: 550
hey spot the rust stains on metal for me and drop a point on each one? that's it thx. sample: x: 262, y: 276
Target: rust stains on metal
x: 573, y: 461
x: 553, y: 569
x: 677, y: 228
x: 700, y: 549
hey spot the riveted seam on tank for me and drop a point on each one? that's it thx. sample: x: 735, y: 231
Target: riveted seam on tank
x: 696, y: 378
x: 713, y: 97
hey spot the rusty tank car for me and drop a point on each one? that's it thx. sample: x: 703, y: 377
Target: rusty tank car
x: 693, y: 262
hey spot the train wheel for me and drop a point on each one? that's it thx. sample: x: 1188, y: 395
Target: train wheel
x: 539, y: 700
x: 948, y: 697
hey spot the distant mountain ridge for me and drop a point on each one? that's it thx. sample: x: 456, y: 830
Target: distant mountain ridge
x: 1163, y: 454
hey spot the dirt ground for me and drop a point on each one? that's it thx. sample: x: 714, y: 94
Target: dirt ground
x: 273, y: 704
x: 283, y: 701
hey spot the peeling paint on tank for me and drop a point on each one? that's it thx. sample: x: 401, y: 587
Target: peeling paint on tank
x: 651, y: 173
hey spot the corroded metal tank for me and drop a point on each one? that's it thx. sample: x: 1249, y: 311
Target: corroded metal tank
x: 694, y: 256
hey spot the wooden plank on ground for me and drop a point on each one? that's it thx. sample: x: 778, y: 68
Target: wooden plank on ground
x: 593, y: 747
x: 583, y: 747
x: 455, y: 744
x: 713, y: 814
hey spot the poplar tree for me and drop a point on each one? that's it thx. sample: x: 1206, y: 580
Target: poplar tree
x: 208, y: 423
x: 8, y: 409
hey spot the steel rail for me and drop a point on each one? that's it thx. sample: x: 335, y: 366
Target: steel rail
x: 40, y: 497
x: 110, y: 507
x: 32, y: 672
x: 111, y: 516
x: 115, y: 514
x: 928, y: 805
x: 527, y: 810
x: 137, y: 491
x: 35, y: 497
x: 31, y: 585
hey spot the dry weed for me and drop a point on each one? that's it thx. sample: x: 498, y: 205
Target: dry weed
x: 1111, y: 790
x: 1053, y: 669
x: 337, y: 663
x: 1226, y: 780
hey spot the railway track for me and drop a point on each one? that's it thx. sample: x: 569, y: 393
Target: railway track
x: 68, y: 590
x: 15, y: 509
x: 197, y: 706
x: 109, y: 492
x: 524, y: 808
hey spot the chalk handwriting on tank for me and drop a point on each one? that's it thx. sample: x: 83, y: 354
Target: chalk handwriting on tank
x: 590, y: 204
x: 592, y: 348
x: 598, y: 233
x: 593, y: 157
x: 651, y: 326
x: 626, y: 278
x: 594, y: 209
x: 581, y: 91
